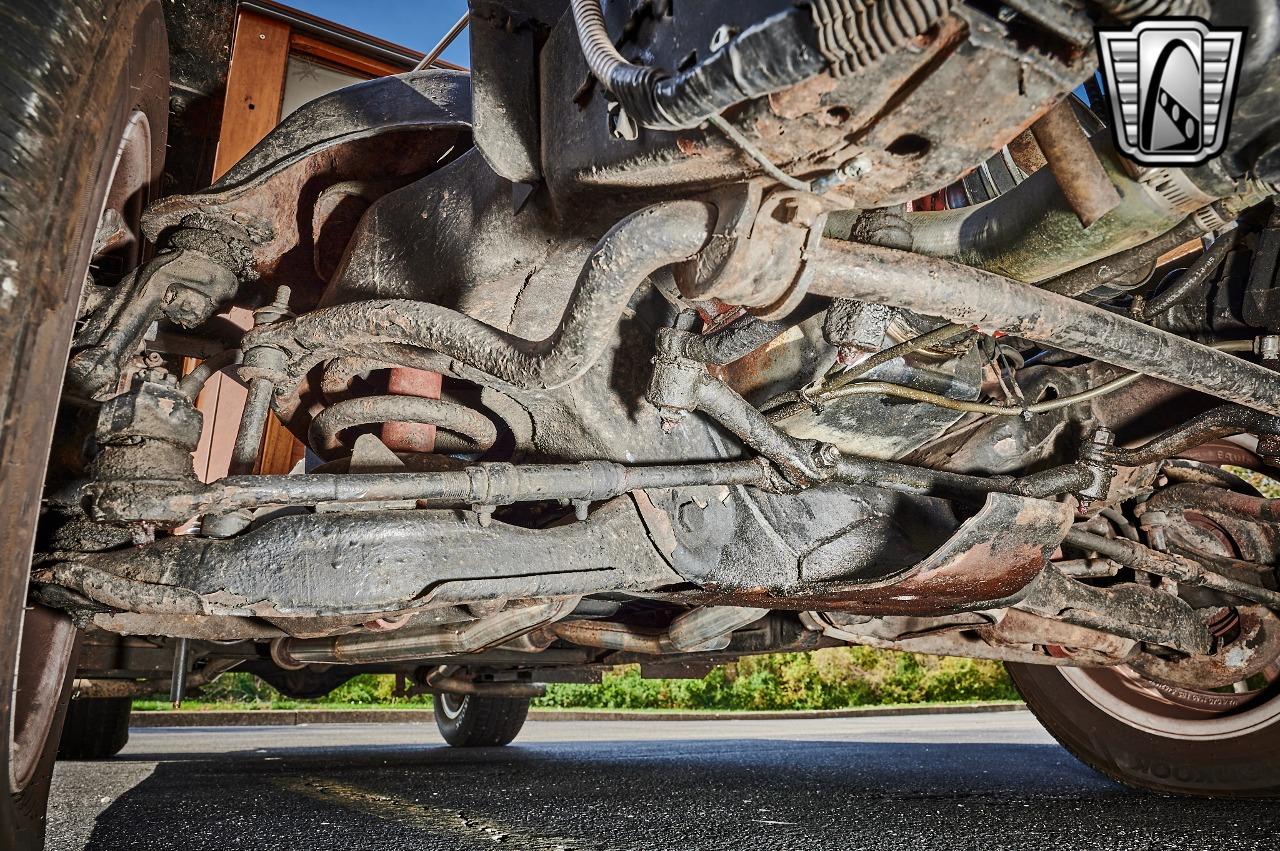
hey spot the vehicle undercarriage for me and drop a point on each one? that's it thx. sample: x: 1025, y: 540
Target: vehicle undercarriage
x: 680, y: 332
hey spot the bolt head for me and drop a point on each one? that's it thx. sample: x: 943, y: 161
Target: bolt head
x: 672, y: 419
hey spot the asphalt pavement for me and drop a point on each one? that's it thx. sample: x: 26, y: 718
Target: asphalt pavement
x: 952, y: 782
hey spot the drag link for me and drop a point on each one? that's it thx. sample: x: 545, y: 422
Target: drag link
x: 500, y: 483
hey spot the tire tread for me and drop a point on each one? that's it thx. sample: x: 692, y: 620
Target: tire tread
x: 485, y: 722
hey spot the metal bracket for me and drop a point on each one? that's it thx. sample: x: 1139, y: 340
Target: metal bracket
x: 758, y: 254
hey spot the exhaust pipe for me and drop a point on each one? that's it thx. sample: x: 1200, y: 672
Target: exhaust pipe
x: 438, y: 681
x: 417, y: 642
x: 707, y: 628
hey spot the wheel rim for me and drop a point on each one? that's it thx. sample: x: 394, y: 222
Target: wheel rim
x: 46, y: 638
x: 1176, y: 712
x: 452, y: 705
x: 1180, y: 712
x: 127, y: 192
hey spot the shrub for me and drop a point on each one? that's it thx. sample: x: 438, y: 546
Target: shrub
x: 238, y: 687
x: 832, y: 678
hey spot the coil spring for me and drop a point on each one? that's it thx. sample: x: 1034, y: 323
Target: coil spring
x: 459, y: 428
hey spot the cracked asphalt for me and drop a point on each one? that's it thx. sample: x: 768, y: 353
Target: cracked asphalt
x: 990, y: 781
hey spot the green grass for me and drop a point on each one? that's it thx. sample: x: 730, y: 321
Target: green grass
x: 832, y: 678
x: 301, y: 705
x: 870, y: 708
x: 148, y: 705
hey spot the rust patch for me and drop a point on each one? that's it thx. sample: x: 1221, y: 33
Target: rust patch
x: 804, y: 99
x: 1220, y: 452
x: 1254, y: 648
x: 690, y: 147
x: 990, y: 558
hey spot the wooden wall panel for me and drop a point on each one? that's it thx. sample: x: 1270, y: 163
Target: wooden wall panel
x: 348, y: 60
x: 255, y: 86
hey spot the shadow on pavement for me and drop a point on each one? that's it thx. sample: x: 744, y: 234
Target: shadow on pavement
x: 659, y: 795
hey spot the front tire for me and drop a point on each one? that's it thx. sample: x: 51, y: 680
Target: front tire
x: 470, y: 721
x: 83, y: 112
x: 1178, y: 741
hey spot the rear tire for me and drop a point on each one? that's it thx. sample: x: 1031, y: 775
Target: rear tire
x: 95, y: 728
x: 1130, y: 731
x: 77, y: 79
x: 470, y: 721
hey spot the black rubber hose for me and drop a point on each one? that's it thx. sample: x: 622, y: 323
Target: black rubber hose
x: 775, y: 54
x: 770, y: 56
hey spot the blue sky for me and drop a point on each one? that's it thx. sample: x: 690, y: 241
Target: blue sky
x: 418, y: 24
